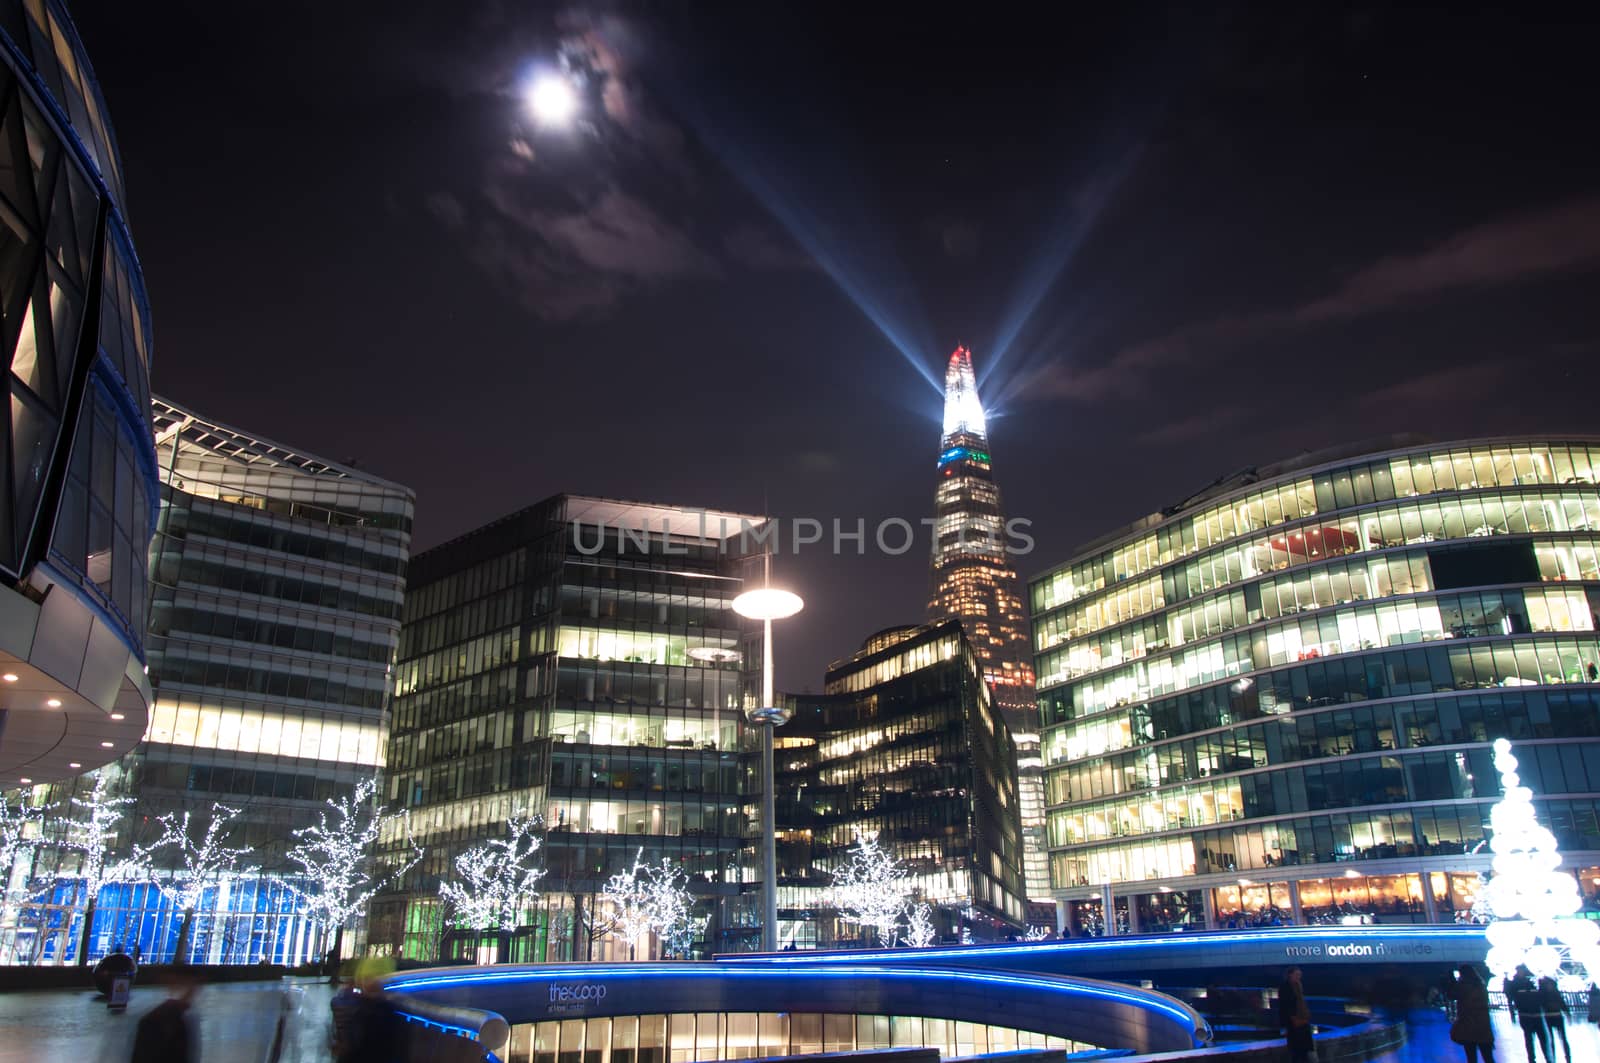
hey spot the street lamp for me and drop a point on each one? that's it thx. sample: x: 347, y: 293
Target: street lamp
x: 767, y: 604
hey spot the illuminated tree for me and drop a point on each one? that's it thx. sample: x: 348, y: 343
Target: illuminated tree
x: 919, y: 925
x: 1036, y: 933
x: 870, y: 889
x: 336, y: 853
x: 92, y: 834
x: 645, y: 898
x: 195, y: 864
x: 1533, y: 905
x: 497, y: 880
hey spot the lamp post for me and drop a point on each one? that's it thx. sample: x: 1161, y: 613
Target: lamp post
x: 767, y: 604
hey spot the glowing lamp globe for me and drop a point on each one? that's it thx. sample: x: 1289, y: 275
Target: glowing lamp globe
x: 776, y: 715
x: 714, y: 655
x: 552, y: 100
x: 767, y: 603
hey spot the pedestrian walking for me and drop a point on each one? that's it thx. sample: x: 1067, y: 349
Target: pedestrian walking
x: 1294, y: 1015
x: 1554, y: 1007
x: 1522, y: 997
x: 165, y: 1033
x: 1472, y: 1029
x: 1594, y: 1002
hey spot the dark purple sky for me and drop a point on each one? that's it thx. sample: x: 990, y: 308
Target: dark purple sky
x: 1182, y: 241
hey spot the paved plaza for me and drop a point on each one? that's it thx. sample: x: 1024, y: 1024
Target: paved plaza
x: 236, y: 1023
x: 236, y: 1026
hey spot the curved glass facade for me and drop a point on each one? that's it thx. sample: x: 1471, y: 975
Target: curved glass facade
x: 1275, y: 703
x: 80, y: 468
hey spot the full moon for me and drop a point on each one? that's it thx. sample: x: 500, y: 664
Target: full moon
x: 552, y: 100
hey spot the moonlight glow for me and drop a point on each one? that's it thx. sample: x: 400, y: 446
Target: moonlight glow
x: 552, y: 100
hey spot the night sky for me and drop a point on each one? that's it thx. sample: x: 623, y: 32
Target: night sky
x: 1179, y: 241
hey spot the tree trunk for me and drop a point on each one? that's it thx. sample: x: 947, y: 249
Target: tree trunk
x: 180, y: 956
x: 86, y: 938
x: 335, y: 952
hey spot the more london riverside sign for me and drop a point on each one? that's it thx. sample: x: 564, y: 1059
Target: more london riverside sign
x: 1361, y: 950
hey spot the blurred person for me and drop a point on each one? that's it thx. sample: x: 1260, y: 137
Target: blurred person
x: 1554, y: 1007
x: 1594, y: 1002
x: 1522, y: 997
x: 1294, y: 1015
x: 369, y: 1029
x: 1472, y: 1029
x: 166, y: 1033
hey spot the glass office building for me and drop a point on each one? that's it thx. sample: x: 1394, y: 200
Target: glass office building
x: 579, y: 659
x: 79, y: 504
x: 1275, y: 701
x: 974, y: 581
x: 904, y: 745
x: 277, y: 580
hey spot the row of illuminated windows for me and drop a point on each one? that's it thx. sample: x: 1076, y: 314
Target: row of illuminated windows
x: 265, y: 732
x: 657, y: 731
x: 1508, y: 663
x: 712, y: 1036
x: 1312, y: 734
x: 1439, y: 830
x: 1348, y: 782
x: 469, y: 584
x: 302, y: 636
x: 451, y: 820
x: 1402, y: 476
x: 654, y: 771
x: 358, y: 548
x: 647, y: 647
x: 197, y: 665
x: 469, y: 620
x: 1379, y: 577
x: 177, y: 566
x: 664, y: 818
x: 581, y: 683
x: 852, y: 678
x: 1331, y: 584
x: 1348, y: 630
x: 1340, y: 631
x: 1377, y: 529
x: 485, y: 653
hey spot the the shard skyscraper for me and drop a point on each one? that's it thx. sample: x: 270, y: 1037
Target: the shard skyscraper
x: 973, y: 580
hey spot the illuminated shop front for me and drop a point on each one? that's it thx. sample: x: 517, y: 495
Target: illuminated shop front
x: 732, y: 1010
x: 1274, y: 702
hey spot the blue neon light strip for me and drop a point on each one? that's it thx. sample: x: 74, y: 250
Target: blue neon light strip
x: 1470, y: 935
x: 1065, y: 985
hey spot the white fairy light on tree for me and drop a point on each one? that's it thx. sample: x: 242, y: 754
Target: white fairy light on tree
x: 198, y: 864
x: 93, y: 835
x: 1532, y: 903
x: 870, y: 889
x: 336, y: 854
x: 497, y: 880
x: 648, y: 897
x: 1036, y: 933
x: 919, y: 925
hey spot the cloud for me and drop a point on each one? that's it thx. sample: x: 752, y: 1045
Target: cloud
x: 573, y: 223
x: 1506, y: 251
x: 1199, y: 426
